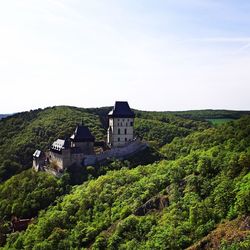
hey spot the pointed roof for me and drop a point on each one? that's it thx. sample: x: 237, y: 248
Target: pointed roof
x: 82, y: 134
x: 121, y: 110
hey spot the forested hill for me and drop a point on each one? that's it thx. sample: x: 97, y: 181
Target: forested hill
x: 211, y: 114
x: 201, y: 189
x: 22, y: 133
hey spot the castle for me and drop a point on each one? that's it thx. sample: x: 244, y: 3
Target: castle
x: 121, y: 125
x: 79, y: 148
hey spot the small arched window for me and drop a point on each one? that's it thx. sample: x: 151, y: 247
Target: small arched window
x: 125, y: 131
x: 119, y: 131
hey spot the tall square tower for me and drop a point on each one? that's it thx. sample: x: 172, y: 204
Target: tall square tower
x: 121, y: 125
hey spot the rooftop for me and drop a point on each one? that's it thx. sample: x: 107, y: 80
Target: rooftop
x: 82, y: 134
x: 121, y: 110
x: 60, y: 144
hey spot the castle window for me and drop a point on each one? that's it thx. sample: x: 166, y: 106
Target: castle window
x: 131, y: 123
x: 126, y: 139
x: 125, y: 131
x: 119, y: 131
x: 118, y: 138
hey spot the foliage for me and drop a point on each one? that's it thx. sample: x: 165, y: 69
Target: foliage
x: 211, y: 114
x: 233, y: 235
x: 25, y: 194
x: 218, y: 121
x: 162, y: 128
x: 205, y: 180
x: 22, y: 133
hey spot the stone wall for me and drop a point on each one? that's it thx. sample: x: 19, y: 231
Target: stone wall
x: 120, y: 153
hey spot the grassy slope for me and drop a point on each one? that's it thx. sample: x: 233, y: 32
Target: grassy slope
x: 203, y: 185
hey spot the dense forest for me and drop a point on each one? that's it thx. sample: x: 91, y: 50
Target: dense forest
x: 210, y: 114
x: 196, y: 188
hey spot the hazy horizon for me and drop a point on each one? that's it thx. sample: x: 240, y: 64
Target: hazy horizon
x: 11, y: 113
x: 157, y: 55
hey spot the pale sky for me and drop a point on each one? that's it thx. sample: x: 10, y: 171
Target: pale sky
x: 156, y: 54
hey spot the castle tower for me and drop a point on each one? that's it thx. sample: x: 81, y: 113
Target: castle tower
x: 83, y: 139
x: 121, y: 125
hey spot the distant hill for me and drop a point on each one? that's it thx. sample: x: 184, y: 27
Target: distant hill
x: 211, y: 114
x: 4, y: 115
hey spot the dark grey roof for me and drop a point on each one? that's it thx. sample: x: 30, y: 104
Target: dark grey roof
x: 121, y: 110
x: 60, y: 144
x: 82, y: 134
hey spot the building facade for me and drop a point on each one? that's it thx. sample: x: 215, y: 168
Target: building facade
x: 64, y: 153
x: 121, y: 125
x: 80, y: 146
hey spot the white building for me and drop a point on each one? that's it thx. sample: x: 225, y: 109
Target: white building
x: 121, y: 125
x: 38, y: 160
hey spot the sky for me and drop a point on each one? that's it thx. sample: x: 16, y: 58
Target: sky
x: 157, y: 55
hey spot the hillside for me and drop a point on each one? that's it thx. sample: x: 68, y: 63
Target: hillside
x: 228, y: 235
x: 21, y: 134
x: 171, y: 204
x: 211, y: 114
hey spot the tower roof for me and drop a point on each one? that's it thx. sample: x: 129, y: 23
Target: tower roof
x: 82, y: 134
x: 121, y: 110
